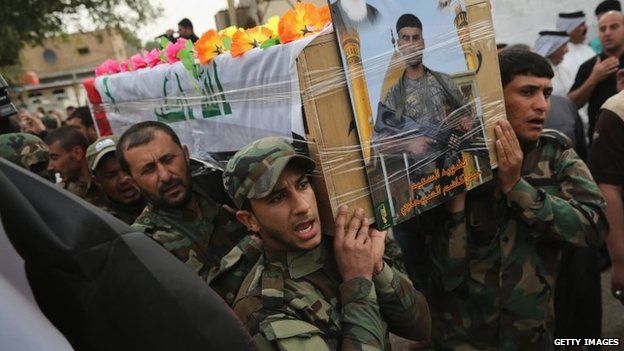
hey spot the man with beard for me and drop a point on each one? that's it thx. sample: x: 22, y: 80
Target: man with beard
x: 595, y: 81
x: 123, y: 198
x: 310, y: 291
x: 67, y: 147
x: 181, y: 213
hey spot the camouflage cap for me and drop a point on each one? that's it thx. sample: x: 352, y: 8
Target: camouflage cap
x: 23, y: 149
x: 99, y: 148
x: 253, y: 171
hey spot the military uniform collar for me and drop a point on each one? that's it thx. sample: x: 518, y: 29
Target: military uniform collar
x: 300, y: 263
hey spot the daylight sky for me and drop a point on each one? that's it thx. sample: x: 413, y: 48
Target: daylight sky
x: 200, y: 12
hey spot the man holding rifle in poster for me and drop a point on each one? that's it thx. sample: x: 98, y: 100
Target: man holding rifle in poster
x: 424, y: 114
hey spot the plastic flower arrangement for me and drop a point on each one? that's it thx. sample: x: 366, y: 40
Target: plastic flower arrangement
x: 303, y: 20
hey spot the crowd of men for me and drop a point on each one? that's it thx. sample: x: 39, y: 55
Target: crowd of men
x: 509, y: 265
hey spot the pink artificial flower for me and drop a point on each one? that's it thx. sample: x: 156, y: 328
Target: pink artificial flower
x: 152, y: 58
x: 107, y: 67
x: 138, y: 62
x: 99, y: 71
x: 125, y: 66
x: 171, y: 51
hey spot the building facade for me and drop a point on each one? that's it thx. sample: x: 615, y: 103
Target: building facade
x: 62, y: 63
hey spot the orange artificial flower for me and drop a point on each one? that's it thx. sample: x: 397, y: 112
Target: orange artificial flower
x: 243, y: 41
x: 324, y: 17
x: 209, y: 46
x: 298, y: 23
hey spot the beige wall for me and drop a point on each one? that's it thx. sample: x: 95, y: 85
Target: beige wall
x: 101, y: 45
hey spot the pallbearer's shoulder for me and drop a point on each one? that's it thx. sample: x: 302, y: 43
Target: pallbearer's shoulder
x: 552, y: 138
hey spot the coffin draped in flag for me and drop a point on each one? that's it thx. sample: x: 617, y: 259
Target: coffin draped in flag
x: 218, y: 107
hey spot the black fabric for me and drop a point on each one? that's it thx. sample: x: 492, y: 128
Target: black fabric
x: 606, y: 159
x: 603, y: 90
x: 578, y: 299
x: 104, y: 286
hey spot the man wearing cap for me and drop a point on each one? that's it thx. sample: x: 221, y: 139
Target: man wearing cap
x: 123, y: 198
x: 182, y: 214
x: 26, y: 151
x: 68, y: 156
x: 553, y: 45
x: 578, y: 52
x: 305, y: 293
x: 595, y: 81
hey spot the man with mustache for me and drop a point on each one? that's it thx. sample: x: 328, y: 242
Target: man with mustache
x: 182, y: 214
x: 573, y: 23
x: 313, y: 290
x: 123, y: 198
x: 494, y: 252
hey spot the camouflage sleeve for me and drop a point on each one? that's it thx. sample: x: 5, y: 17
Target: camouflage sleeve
x: 575, y: 214
x: 403, y: 308
x: 362, y: 327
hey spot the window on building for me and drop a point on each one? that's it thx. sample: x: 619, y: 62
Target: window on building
x: 49, y: 56
x: 84, y: 51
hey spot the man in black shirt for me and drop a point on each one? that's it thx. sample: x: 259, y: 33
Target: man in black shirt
x: 606, y: 162
x: 595, y: 80
x: 185, y: 29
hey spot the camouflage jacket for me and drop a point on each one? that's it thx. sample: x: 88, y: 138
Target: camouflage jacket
x: 493, y: 266
x: 126, y: 213
x: 216, y: 246
x: 90, y: 192
x: 300, y: 303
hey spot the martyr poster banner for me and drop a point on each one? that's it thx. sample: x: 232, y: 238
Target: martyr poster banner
x: 413, y: 72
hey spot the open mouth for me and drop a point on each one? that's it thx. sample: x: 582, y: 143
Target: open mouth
x: 128, y: 192
x: 306, y: 230
x: 536, y: 123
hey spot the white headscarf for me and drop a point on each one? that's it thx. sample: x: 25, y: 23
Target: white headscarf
x: 568, y: 22
x: 549, y: 41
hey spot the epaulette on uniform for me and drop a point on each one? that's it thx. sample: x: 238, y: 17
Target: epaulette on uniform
x: 551, y: 135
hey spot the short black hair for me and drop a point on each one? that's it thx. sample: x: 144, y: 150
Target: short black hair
x: 84, y: 114
x: 408, y: 20
x: 68, y: 137
x: 186, y: 23
x: 141, y: 134
x: 521, y: 62
x: 606, y: 6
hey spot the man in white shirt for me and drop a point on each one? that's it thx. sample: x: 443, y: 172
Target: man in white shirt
x: 578, y: 52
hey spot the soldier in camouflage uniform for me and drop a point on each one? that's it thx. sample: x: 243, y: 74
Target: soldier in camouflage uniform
x: 182, y: 214
x: 26, y: 151
x: 123, y: 197
x: 494, y: 253
x: 68, y: 157
x: 305, y: 294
